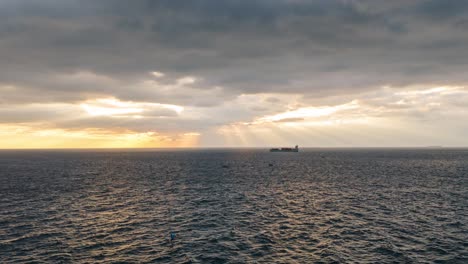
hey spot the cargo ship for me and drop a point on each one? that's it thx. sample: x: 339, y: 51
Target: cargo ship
x: 295, y: 149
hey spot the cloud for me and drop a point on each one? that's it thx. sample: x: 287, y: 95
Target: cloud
x: 226, y: 62
x: 114, y: 108
x: 245, y: 46
x: 387, y: 117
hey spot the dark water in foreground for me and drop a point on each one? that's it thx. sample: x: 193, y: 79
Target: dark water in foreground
x: 317, y: 205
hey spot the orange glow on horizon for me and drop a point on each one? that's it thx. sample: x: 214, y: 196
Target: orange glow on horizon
x: 25, y: 137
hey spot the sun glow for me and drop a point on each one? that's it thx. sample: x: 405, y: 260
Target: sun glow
x: 114, y: 108
x: 28, y: 137
x: 255, y: 120
x: 157, y: 74
x: 303, y: 114
x: 370, y: 120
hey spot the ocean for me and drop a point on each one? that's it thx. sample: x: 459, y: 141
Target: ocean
x: 234, y: 206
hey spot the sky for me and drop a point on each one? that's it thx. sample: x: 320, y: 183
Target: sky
x: 233, y: 73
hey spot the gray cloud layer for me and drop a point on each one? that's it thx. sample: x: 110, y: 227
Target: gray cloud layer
x: 314, y: 47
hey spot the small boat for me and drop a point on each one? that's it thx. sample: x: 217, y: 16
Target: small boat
x: 295, y: 149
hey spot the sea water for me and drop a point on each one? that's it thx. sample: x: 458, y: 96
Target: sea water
x: 234, y: 206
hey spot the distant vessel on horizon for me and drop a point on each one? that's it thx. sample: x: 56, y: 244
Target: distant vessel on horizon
x: 295, y: 149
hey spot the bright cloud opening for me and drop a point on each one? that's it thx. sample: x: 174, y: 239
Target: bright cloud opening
x: 115, y: 108
x: 306, y: 113
x: 158, y: 74
x: 370, y: 119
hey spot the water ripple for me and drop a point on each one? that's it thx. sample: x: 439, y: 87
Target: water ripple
x: 226, y: 206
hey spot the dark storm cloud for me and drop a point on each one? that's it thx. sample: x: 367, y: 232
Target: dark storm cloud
x: 291, y: 46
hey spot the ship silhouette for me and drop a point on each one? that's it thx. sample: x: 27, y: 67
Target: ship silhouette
x: 295, y: 149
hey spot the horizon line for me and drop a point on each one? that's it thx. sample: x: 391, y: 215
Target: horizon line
x: 230, y: 147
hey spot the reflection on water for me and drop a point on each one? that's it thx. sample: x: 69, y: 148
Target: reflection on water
x: 233, y: 206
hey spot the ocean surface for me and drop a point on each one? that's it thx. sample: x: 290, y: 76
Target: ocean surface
x: 234, y: 206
